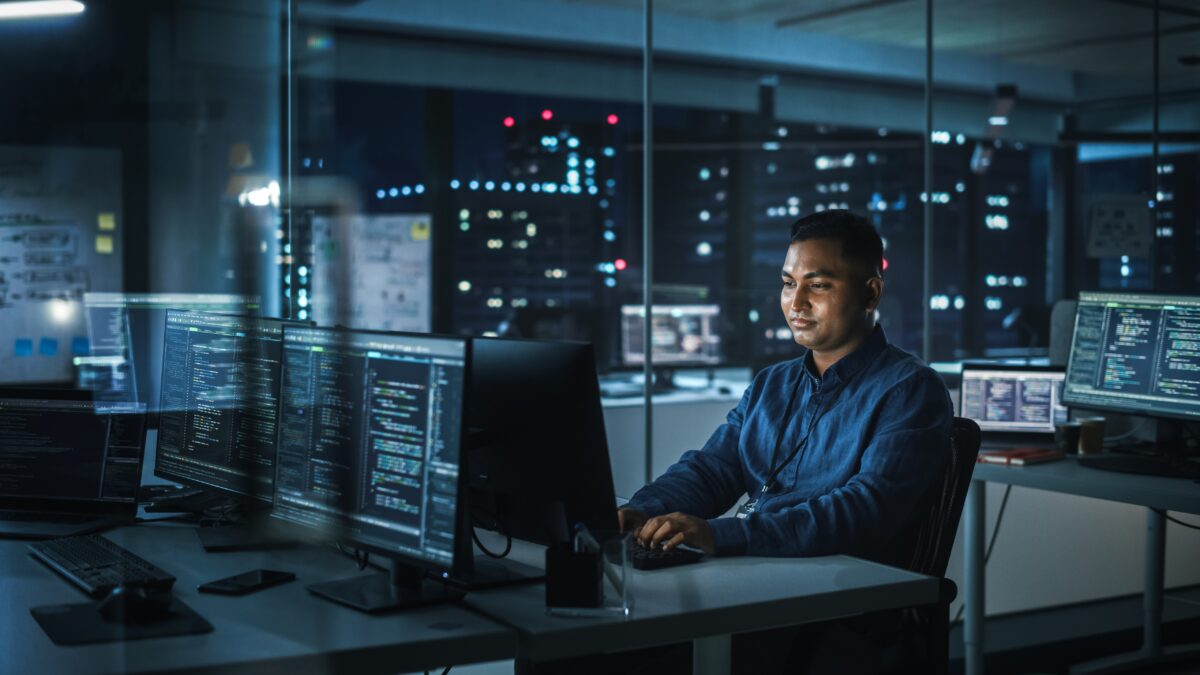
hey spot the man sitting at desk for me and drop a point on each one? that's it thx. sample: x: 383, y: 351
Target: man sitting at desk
x: 840, y: 450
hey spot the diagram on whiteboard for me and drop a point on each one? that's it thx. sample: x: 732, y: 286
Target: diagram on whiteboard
x: 60, y: 209
x: 372, y: 272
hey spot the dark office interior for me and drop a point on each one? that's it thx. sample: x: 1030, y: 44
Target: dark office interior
x: 429, y: 337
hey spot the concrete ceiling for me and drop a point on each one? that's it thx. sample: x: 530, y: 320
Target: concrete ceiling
x: 1098, y: 37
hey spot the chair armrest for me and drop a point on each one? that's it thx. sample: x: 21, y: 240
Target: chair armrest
x: 947, y: 591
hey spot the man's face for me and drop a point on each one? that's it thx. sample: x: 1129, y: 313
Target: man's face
x: 827, y: 302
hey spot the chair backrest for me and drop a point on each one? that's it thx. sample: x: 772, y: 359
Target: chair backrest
x: 936, y: 535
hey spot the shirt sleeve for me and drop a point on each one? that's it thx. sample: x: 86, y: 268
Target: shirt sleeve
x: 705, y: 482
x: 906, y: 455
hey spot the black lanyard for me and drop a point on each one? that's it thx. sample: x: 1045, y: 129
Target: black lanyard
x: 774, y: 473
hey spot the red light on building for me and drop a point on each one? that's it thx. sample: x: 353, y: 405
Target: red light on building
x: 547, y: 114
x: 620, y: 264
x: 509, y: 122
x: 613, y: 119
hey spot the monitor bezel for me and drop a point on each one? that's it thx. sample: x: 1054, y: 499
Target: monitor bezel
x: 166, y: 474
x: 1108, y: 406
x: 460, y: 533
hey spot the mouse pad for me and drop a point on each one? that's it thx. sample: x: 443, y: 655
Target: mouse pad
x: 82, y: 625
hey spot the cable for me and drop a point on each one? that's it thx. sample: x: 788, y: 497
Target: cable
x: 447, y: 670
x: 1109, y: 440
x: 987, y: 553
x: 496, y: 525
x: 1164, y: 514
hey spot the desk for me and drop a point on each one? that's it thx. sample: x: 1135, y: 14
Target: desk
x: 705, y: 603
x: 281, y: 629
x: 1068, y: 477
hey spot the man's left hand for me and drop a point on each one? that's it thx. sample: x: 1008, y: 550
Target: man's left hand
x: 674, y: 529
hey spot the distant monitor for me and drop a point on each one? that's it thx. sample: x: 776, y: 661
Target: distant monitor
x: 682, y: 335
x: 126, y: 336
x: 219, y: 402
x: 1011, y: 398
x: 369, y: 450
x: 1137, y: 354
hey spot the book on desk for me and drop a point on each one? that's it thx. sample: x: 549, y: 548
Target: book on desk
x: 1020, y: 456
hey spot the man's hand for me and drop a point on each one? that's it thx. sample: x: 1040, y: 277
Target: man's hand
x: 674, y: 529
x: 630, y: 520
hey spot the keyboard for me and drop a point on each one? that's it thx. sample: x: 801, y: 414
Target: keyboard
x: 97, y: 565
x: 656, y: 558
x: 1141, y: 464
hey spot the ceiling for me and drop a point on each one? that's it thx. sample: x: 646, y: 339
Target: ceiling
x: 1099, y: 37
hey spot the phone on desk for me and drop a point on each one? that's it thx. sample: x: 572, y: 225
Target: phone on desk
x: 247, y: 582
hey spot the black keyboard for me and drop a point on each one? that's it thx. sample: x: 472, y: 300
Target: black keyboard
x: 656, y: 558
x: 1145, y: 465
x: 97, y: 565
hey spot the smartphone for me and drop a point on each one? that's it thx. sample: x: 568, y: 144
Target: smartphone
x: 247, y: 582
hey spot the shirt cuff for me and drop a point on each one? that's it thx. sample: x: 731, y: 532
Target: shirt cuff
x: 729, y: 536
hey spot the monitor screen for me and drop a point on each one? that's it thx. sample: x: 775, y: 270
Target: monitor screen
x: 1013, y: 398
x: 125, y: 331
x: 681, y: 335
x: 369, y: 439
x: 1136, y: 353
x: 219, y: 402
x: 68, y: 451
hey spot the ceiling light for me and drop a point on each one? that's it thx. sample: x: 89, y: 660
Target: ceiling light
x: 28, y: 10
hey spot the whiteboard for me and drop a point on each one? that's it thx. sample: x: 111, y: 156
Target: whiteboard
x: 60, y: 237
x: 371, y: 272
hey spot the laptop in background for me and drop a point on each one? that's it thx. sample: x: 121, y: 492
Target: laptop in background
x: 68, y: 467
x: 1014, y: 405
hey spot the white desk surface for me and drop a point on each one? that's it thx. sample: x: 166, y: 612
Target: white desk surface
x: 281, y: 629
x: 715, y: 597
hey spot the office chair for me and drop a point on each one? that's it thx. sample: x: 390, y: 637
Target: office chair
x: 935, y: 539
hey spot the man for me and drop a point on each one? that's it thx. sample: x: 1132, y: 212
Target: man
x: 836, y: 451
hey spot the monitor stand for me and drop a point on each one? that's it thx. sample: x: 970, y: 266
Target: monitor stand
x: 486, y: 572
x: 664, y: 380
x: 1169, y: 456
x: 403, y: 587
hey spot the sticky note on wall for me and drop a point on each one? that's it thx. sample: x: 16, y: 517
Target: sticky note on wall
x: 106, y: 222
x: 104, y: 243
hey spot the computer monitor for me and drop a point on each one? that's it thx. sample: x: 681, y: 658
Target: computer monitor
x: 219, y: 402
x: 537, y: 453
x: 125, y: 331
x: 370, y: 428
x: 1138, y: 354
x: 1013, y: 399
x: 66, y: 455
x: 681, y: 335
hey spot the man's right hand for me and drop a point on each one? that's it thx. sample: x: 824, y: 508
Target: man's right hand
x: 630, y: 520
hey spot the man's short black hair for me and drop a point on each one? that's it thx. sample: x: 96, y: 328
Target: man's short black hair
x: 861, y: 244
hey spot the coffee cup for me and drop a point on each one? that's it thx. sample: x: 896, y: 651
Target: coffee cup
x: 1066, y: 437
x: 1091, y: 435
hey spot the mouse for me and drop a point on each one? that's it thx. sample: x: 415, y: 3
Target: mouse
x: 135, y: 604
x: 724, y: 390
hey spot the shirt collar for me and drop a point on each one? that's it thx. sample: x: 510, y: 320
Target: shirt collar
x: 848, y: 365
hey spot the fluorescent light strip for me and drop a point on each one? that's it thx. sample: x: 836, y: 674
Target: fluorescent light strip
x: 39, y: 8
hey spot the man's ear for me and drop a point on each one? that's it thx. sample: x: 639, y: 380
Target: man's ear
x: 874, y: 291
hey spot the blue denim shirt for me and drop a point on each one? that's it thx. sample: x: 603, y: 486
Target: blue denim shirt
x: 878, y: 425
